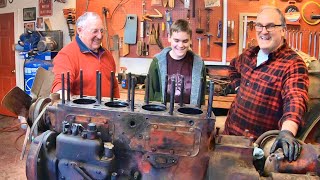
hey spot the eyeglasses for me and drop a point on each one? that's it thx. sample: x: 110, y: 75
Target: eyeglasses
x: 269, y: 27
x: 95, y: 31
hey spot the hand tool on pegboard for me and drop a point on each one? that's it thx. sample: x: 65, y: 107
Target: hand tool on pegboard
x: 306, y: 12
x: 208, y: 20
x: 211, y: 3
x: 309, y: 43
x: 208, y: 44
x: 152, y: 36
x: 159, y: 43
x: 199, y: 30
x: 140, y: 49
x: 228, y: 29
x: 171, y: 4
x: 199, y: 45
x: 130, y: 30
x: 124, y: 47
x: 187, y: 6
x: 115, y: 51
x: 193, y: 8
x: 105, y: 13
x: 164, y: 3
x: 315, y: 42
x: 168, y: 21
x: 156, y: 2
x: 149, y: 17
x: 70, y: 15
x: 219, y: 29
x: 300, y: 40
x: 232, y: 31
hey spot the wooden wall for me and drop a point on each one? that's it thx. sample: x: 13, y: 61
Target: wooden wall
x: 116, y: 20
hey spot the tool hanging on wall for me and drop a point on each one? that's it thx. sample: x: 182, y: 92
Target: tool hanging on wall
x: 115, y: 51
x: 187, y: 6
x: 219, y: 29
x: 208, y: 44
x: 309, y: 43
x: 156, y: 3
x: 149, y: 17
x: 152, y: 36
x: 307, y: 17
x: 199, y: 45
x: 232, y: 31
x: 199, y: 30
x: 315, y: 44
x: 208, y: 20
x: 159, y: 43
x: 130, y: 30
x: 105, y: 13
x: 70, y: 15
x: 171, y: 4
x: 164, y: 3
x: 211, y: 3
x: 168, y: 21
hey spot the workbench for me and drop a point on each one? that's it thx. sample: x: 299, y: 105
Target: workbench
x: 223, y: 102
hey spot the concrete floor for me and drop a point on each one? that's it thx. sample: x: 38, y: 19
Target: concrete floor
x: 11, y: 167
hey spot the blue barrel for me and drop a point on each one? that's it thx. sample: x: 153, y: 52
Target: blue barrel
x: 30, y: 70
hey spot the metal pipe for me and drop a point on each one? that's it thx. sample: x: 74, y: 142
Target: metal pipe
x: 68, y: 86
x: 97, y: 72
x: 165, y: 90
x: 62, y: 81
x: 210, y: 99
x: 111, y: 85
x: 133, y: 84
x: 129, y: 86
x: 81, y: 83
x: 99, y: 88
x: 147, y: 89
x: 200, y: 93
x: 182, y: 91
x: 172, y: 94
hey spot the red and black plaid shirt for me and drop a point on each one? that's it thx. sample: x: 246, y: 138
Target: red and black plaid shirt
x: 269, y: 94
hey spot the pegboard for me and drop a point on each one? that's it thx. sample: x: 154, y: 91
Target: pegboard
x: 118, y: 9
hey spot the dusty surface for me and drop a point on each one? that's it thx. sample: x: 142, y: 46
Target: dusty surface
x: 11, y: 167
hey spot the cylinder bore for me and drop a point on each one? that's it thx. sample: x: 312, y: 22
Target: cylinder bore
x: 189, y: 110
x: 116, y: 104
x: 154, y: 107
x: 84, y: 101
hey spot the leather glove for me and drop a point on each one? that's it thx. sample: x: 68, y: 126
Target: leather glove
x: 289, y: 144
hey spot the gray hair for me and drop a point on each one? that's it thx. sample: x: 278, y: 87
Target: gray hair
x: 282, y: 18
x: 82, y: 20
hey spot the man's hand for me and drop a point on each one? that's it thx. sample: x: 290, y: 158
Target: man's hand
x: 290, y: 145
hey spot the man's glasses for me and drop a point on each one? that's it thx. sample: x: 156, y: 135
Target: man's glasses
x: 269, y: 27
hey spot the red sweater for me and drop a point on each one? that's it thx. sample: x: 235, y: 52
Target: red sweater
x: 71, y: 59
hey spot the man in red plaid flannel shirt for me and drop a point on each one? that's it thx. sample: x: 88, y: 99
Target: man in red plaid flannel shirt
x: 272, y: 86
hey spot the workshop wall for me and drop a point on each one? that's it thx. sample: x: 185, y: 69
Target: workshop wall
x: 119, y: 9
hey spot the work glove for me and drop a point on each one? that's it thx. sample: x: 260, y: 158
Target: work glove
x: 289, y: 144
x: 230, y: 90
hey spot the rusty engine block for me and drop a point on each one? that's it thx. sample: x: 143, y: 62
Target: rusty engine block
x: 102, y: 138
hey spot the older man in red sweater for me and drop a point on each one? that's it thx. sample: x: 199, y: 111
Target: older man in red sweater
x: 86, y: 53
